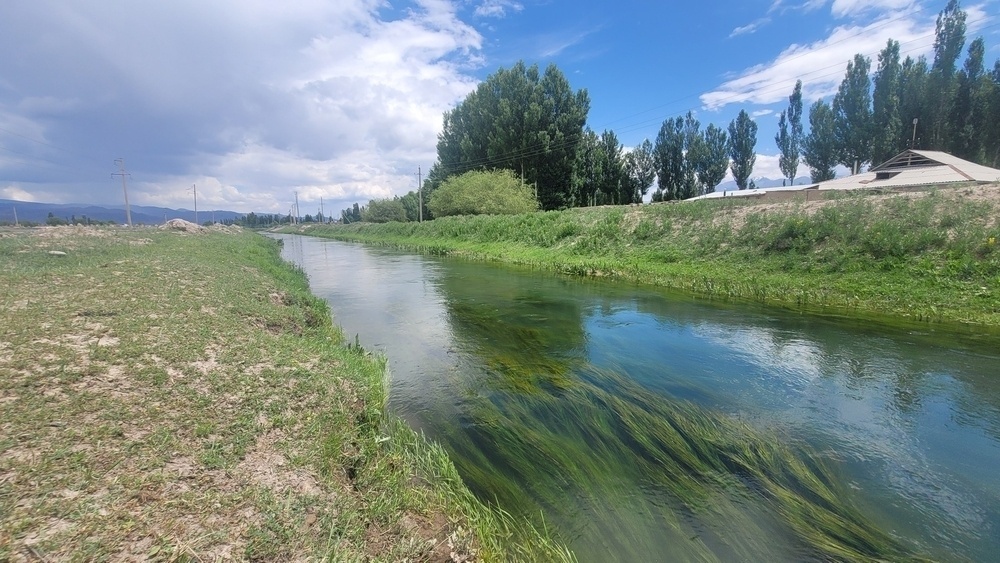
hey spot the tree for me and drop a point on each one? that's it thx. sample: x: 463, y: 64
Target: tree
x: 789, y: 136
x: 587, y: 172
x: 676, y: 178
x: 888, y: 125
x: 949, y: 39
x: 710, y: 157
x: 742, y: 143
x: 913, y: 102
x: 669, y: 153
x: 692, y: 138
x: 521, y: 121
x: 640, y: 168
x: 853, y: 115
x: 614, y: 182
x: 819, y: 149
x: 991, y: 135
x: 384, y: 211
x: 497, y: 192
x: 411, y: 205
x: 967, y: 109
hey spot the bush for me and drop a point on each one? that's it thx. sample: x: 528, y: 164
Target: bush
x: 384, y: 211
x: 498, y: 192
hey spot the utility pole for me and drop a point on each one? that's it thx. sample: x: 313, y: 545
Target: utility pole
x: 420, y: 197
x: 321, y: 216
x: 194, y: 188
x: 296, y: 207
x: 121, y: 172
x: 15, y: 217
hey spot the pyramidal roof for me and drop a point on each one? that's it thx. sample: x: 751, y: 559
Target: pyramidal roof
x: 923, y: 159
x: 916, y: 168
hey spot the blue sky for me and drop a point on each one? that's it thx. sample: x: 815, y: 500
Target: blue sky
x: 254, y: 100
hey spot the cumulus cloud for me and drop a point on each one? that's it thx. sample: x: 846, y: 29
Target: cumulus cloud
x: 250, y: 99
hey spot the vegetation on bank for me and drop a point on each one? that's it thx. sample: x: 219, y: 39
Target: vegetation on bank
x: 178, y: 396
x: 927, y: 256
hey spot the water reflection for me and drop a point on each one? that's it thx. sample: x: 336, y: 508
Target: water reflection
x: 911, y: 420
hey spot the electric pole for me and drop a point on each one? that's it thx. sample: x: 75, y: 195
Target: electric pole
x: 121, y: 172
x: 296, y: 207
x: 420, y: 197
x: 194, y: 188
x: 15, y: 217
x: 321, y: 216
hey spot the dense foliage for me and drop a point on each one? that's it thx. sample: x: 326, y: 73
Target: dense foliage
x: 520, y: 120
x: 497, y: 192
x: 384, y: 211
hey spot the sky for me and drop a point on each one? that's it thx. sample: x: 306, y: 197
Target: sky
x: 341, y: 101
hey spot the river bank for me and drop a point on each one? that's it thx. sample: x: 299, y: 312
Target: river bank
x: 174, y: 395
x: 916, y: 257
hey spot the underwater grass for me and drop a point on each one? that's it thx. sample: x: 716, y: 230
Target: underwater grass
x: 728, y: 489
x: 916, y: 257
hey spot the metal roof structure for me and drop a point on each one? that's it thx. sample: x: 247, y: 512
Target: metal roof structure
x: 913, y: 168
x: 908, y: 169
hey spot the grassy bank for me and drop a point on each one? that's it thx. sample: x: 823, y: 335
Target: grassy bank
x: 928, y: 256
x: 171, y: 395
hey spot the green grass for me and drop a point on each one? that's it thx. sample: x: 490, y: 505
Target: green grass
x: 931, y: 256
x: 183, y: 396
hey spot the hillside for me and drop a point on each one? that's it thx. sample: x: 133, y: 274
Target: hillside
x: 33, y: 212
x: 919, y: 257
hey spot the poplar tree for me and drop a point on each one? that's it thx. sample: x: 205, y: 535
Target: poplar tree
x: 967, y: 110
x: 709, y: 157
x: 640, y: 167
x: 949, y: 39
x: 819, y: 149
x: 742, y: 143
x: 853, y: 115
x: 789, y: 136
x: 888, y: 125
x: 669, y: 153
x: 913, y: 103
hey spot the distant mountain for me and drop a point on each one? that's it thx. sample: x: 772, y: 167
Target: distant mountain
x: 761, y: 182
x: 28, y: 211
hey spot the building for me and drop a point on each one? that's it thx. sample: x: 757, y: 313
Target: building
x: 910, y: 170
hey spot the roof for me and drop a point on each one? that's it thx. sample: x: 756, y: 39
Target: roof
x: 908, y: 168
x: 916, y: 168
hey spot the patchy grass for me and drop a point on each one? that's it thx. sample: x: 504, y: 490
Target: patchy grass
x: 912, y: 257
x: 176, y: 396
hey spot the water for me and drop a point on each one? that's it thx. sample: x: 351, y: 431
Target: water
x: 531, y: 382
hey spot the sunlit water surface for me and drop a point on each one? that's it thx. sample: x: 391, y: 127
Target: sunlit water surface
x: 909, y: 419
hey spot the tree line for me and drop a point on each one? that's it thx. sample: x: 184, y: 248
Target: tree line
x: 533, y: 124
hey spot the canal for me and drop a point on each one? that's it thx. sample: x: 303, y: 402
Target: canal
x: 645, y: 425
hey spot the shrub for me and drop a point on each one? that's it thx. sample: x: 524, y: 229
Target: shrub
x: 497, y: 192
x: 384, y: 211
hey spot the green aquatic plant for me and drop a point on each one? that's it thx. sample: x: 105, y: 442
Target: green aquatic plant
x: 722, y: 489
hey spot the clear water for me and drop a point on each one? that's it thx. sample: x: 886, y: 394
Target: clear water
x: 909, y: 420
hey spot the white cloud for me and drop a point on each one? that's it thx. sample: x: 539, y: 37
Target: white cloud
x: 751, y: 27
x: 497, y: 8
x: 761, y: 112
x: 251, y: 99
x: 15, y: 192
x: 844, y: 8
x: 821, y: 64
